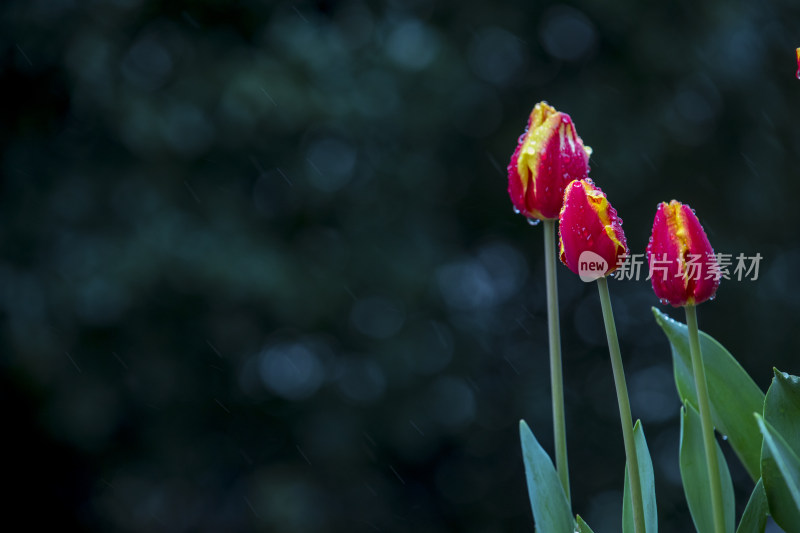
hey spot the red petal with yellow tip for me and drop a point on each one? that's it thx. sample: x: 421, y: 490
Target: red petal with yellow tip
x: 588, y: 223
x: 548, y: 156
x: 683, y: 267
x: 798, y: 63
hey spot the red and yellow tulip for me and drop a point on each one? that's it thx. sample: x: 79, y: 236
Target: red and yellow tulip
x: 683, y: 267
x: 798, y: 62
x: 548, y: 156
x: 588, y: 223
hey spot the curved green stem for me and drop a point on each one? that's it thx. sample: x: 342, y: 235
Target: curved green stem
x: 709, y: 443
x: 624, y: 407
x: 556, y: 379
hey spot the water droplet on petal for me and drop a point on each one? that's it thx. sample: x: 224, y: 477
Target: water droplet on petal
x: 517, y: 211
x: 664, y: 301
x: 533, y: 221
x: 711, y: 298
x: 589, y: 181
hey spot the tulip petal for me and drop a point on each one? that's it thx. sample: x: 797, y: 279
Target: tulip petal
x: 588, y: 222
x: 798, y: 63
x: 683, y: 267
x: 548, y: 156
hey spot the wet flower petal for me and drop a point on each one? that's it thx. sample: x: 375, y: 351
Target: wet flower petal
x: 683, y: 267
x: 590, y: 230
x: 548, y: 156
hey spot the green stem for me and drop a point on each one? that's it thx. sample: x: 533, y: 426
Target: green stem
x: 709, y: 442
x: 624, y: 406
x: 556, y: 379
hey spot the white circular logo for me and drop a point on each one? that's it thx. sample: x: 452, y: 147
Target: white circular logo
x: 591, y: 266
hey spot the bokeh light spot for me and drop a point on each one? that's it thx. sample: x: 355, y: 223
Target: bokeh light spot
x: 496, y: 55
x: 291, y: 370
x: 567, y: 33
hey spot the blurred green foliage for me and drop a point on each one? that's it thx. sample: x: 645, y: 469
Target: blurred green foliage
x: 259, y: 269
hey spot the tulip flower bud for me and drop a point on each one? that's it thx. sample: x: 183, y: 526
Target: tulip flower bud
x: 683, y: 267
x: 549, y: 155
x: 591, y: 240
x: 798, y: 63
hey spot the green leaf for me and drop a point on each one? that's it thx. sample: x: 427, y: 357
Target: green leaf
x: 782, y: 408
x: 694, y: 474
x: 780, y: 468
x: 550, y: 508
x: 648, y: 486
x: 582, y: 526
x: 754, y: 518
x: 733, y: 394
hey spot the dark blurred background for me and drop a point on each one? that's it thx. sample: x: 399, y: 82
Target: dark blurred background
x: 260, y: 271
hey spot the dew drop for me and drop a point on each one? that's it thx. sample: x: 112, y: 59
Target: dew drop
x: 589, y: 181
x: 533, y: 221
x: 517, y: 211
x: 712, y: 297
x: 724, y: 437
x: 663, y: 301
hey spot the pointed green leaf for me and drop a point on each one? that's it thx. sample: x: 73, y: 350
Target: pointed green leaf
x: 648, y: 486
x: 733, y: 393
x: 780, y: 468
x: 583, y: 527
x: 550, y: 508
x: 782, y: 408
x: 694, y: 474
x: 754, y: 518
